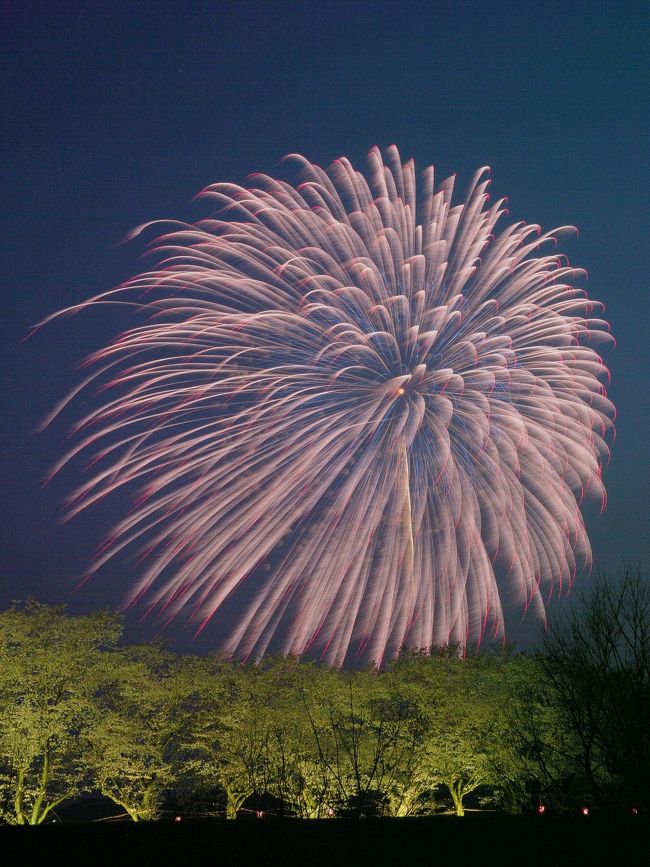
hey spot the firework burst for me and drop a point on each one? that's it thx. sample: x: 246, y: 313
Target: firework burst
x: 354, y: 414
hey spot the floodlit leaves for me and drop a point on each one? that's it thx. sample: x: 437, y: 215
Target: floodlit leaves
x: 436, y: 730
x: 50, y: 665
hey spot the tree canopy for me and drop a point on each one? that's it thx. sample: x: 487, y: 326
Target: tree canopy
x: 440, y: 730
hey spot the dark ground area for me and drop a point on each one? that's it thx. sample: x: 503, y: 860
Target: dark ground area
x: 483, y: 839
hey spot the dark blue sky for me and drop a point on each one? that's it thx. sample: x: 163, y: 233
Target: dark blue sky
x: 119, y: 113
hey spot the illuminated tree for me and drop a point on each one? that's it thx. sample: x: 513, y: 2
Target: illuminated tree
x: 249, y: 737
x: 50, y: 664
x: 463, y: 701
x: 540, y: 760
x: 368, y: 737
x: 145, y: 707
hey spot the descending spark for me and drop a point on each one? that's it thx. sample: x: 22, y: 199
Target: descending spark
x: 355, y: 414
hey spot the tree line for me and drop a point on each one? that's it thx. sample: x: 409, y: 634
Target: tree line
x: 566, y: 726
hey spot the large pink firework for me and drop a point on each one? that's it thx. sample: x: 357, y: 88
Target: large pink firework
x: 358, y: 417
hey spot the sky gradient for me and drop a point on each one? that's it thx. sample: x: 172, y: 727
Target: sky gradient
x: 120, y: 116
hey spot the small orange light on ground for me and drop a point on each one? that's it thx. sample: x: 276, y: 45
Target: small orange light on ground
x: 541, y: 809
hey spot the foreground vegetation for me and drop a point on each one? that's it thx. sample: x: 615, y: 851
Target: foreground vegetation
x: 566, y: 727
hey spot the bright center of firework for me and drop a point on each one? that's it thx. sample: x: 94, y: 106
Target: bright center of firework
x: 400, y: 391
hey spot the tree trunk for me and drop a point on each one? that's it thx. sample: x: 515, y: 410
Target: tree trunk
x: 456, y: 792
x: 234, y: 800
x: 18, y: 799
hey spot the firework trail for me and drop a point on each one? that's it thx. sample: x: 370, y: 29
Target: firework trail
x: 354, y: 412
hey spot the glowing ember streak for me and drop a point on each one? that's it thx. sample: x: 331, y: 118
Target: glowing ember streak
x: 356, y: 414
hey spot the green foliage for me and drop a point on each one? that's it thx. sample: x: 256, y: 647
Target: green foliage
x: 249, y: 737
x: 50, y: 664
x: 79, y: 712
x: 368, y: 735
x: 143, y: 709
x: 463, y: 700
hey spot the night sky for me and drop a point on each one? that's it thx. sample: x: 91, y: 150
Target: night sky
x: 115, y: 114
